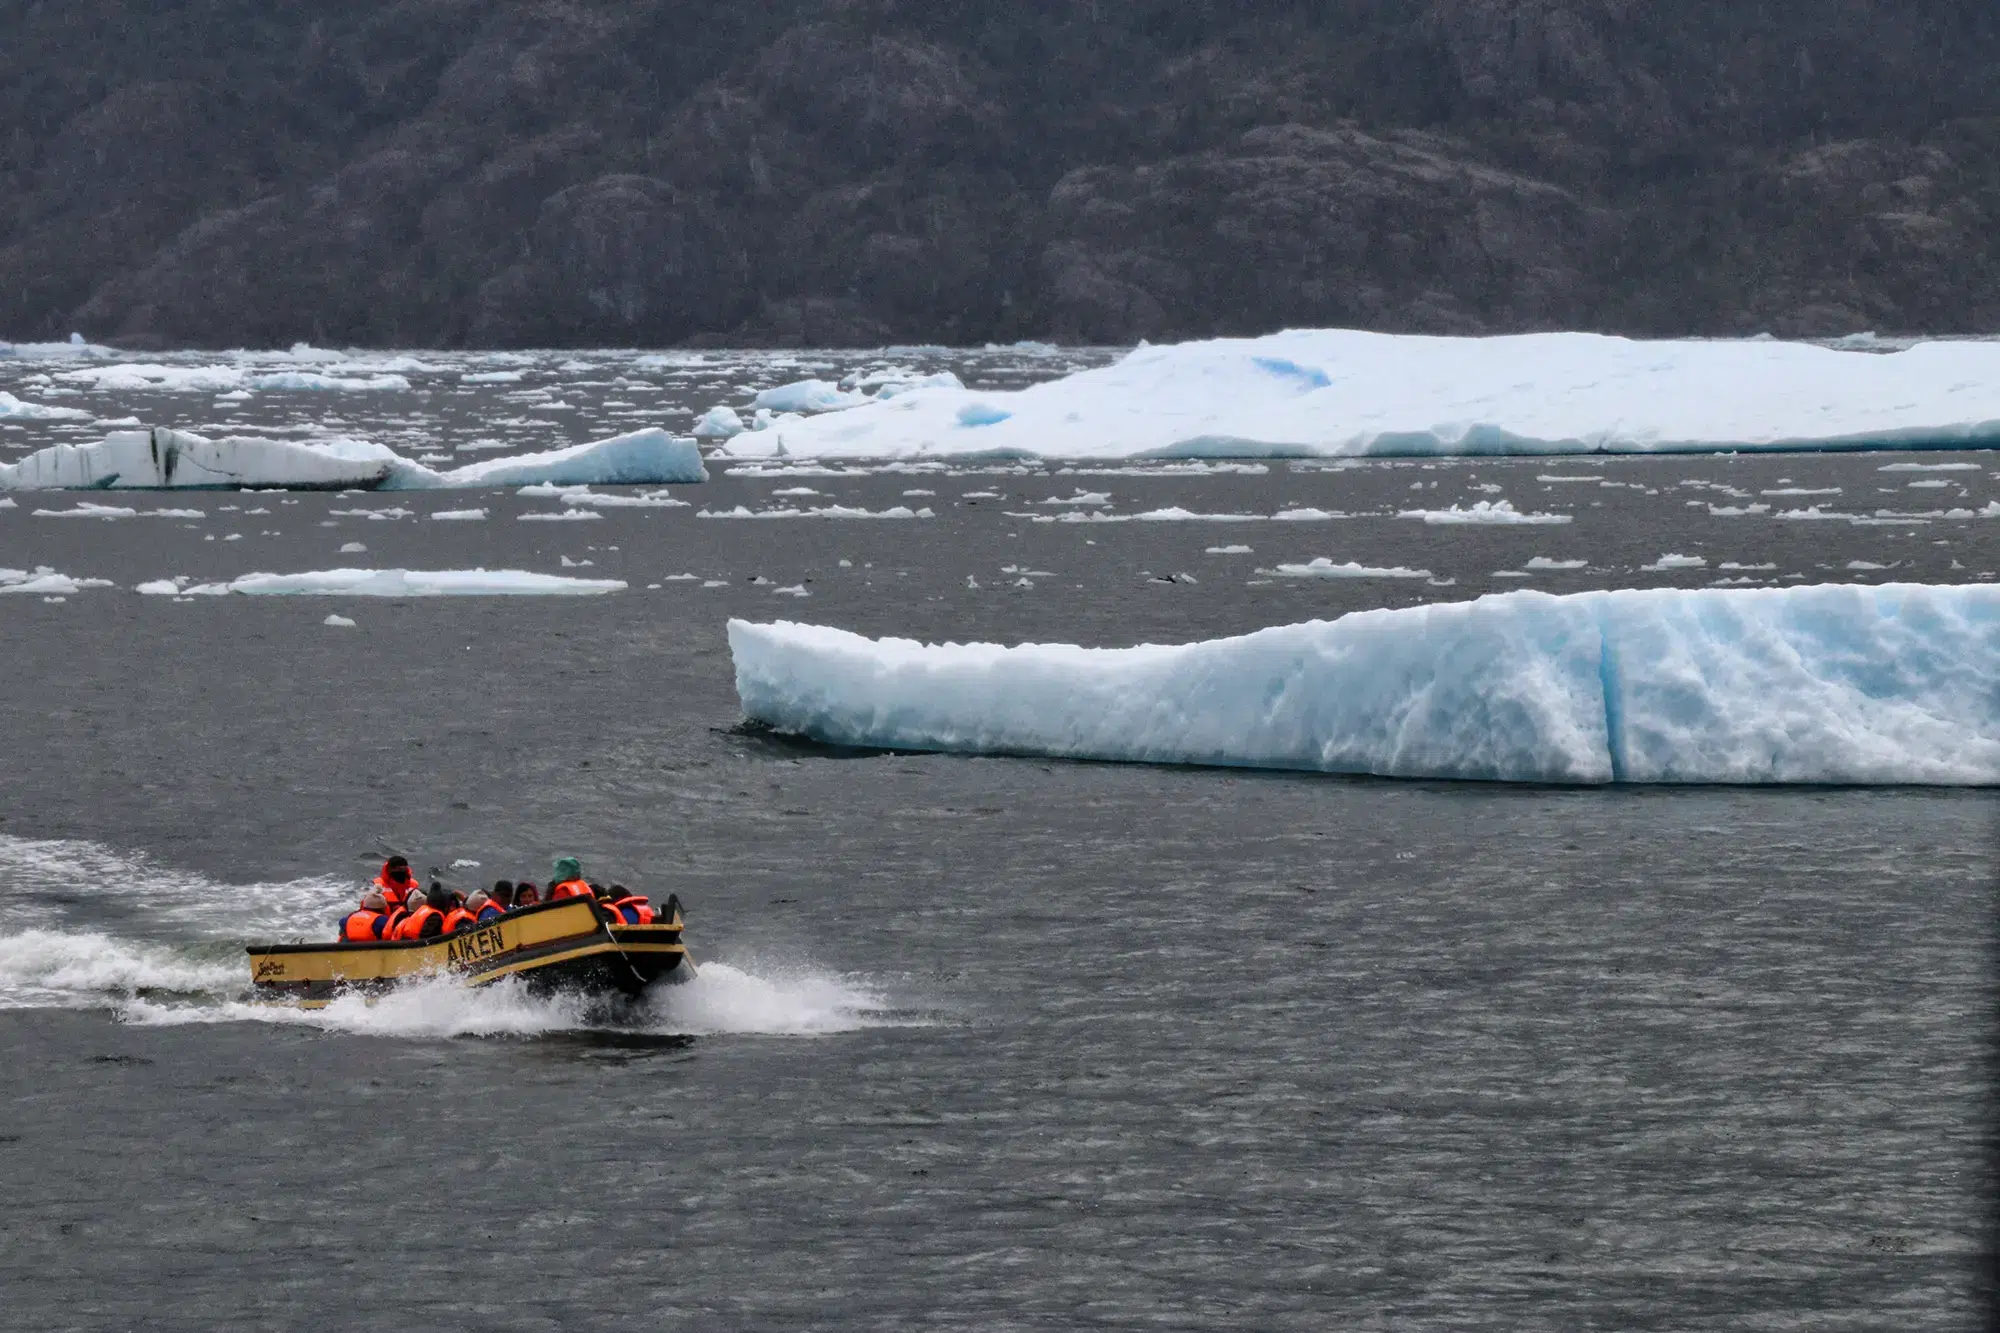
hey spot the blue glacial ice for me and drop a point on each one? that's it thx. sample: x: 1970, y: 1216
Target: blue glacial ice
x: 1896, y: 683
x: 1336, y: 392
x: 162, y: 459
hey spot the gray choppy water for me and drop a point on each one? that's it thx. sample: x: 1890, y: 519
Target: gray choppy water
x: 992, y: 1043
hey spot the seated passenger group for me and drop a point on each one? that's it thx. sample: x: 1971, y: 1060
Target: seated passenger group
x: 396, y: 907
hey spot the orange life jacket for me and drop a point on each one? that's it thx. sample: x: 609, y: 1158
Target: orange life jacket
x: 633, y: 910
x: 457, y: 918
x: 392, y: 892
x: 364, y: 926
x: 412, y: 925
x: 570, y: 888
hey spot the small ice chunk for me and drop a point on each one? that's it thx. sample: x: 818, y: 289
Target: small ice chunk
x: 338, y: 621
x: 1671, y: 561
x: 458, y: 515
x: 718, y: 423
x: 807, y: 396
x: 89, y: 511
x: 45, y: 580
x: 1545, y: 562
x: 1482, y: 512
x: 1227, y: 550
x: 1320, y: 567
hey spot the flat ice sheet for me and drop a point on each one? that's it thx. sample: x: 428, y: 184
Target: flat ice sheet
x: 393, y: 583
x: 1896, y: 683
x: 161, y: 459
x: 1314, y: 392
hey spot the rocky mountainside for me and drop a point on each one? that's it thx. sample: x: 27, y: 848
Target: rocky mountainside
x: 549, y: 172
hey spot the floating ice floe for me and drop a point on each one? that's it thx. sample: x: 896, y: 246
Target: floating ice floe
x: 1894, y: 683
x: 17, y: 410
x: 1320, y: 567
x: 815, y: 396
x: 162, y: 459
x: 75, y: 347
x: 43, y: 579
x: 808, y: 396
x: 638, y: 458
x: 1320, y: 392
x: 88, y: 510
x: 583, y: 495
x: 1496, y: 512
x: 718, y: 423
x: 141, y: 376
x: 314, y: 381
x: 824, y: 511
x: 390, y: 583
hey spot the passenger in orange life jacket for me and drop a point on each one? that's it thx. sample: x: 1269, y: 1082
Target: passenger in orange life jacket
x: 630, y: 908
x: 566, y: 880
x: 396, y: 882
x: 463, y: 913
x: 426, y: 920
x: 368, y: 923
x: 526, y: 895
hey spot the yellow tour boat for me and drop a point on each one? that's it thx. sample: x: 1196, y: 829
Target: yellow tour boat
x: 568, y: 945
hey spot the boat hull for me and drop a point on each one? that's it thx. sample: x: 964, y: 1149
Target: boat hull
x: 569, y: 946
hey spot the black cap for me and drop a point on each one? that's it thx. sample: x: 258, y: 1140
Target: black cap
x: 398, y: 862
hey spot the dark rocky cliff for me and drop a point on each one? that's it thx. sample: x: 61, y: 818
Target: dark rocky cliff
x: 859, y: 171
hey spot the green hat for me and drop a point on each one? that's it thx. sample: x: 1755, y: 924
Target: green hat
x: 567, y: 868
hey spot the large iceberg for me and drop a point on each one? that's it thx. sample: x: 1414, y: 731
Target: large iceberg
x: 1321, y: 392
x: 639, y: 458
x: 1896, y: 683
x: 162, y: 459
